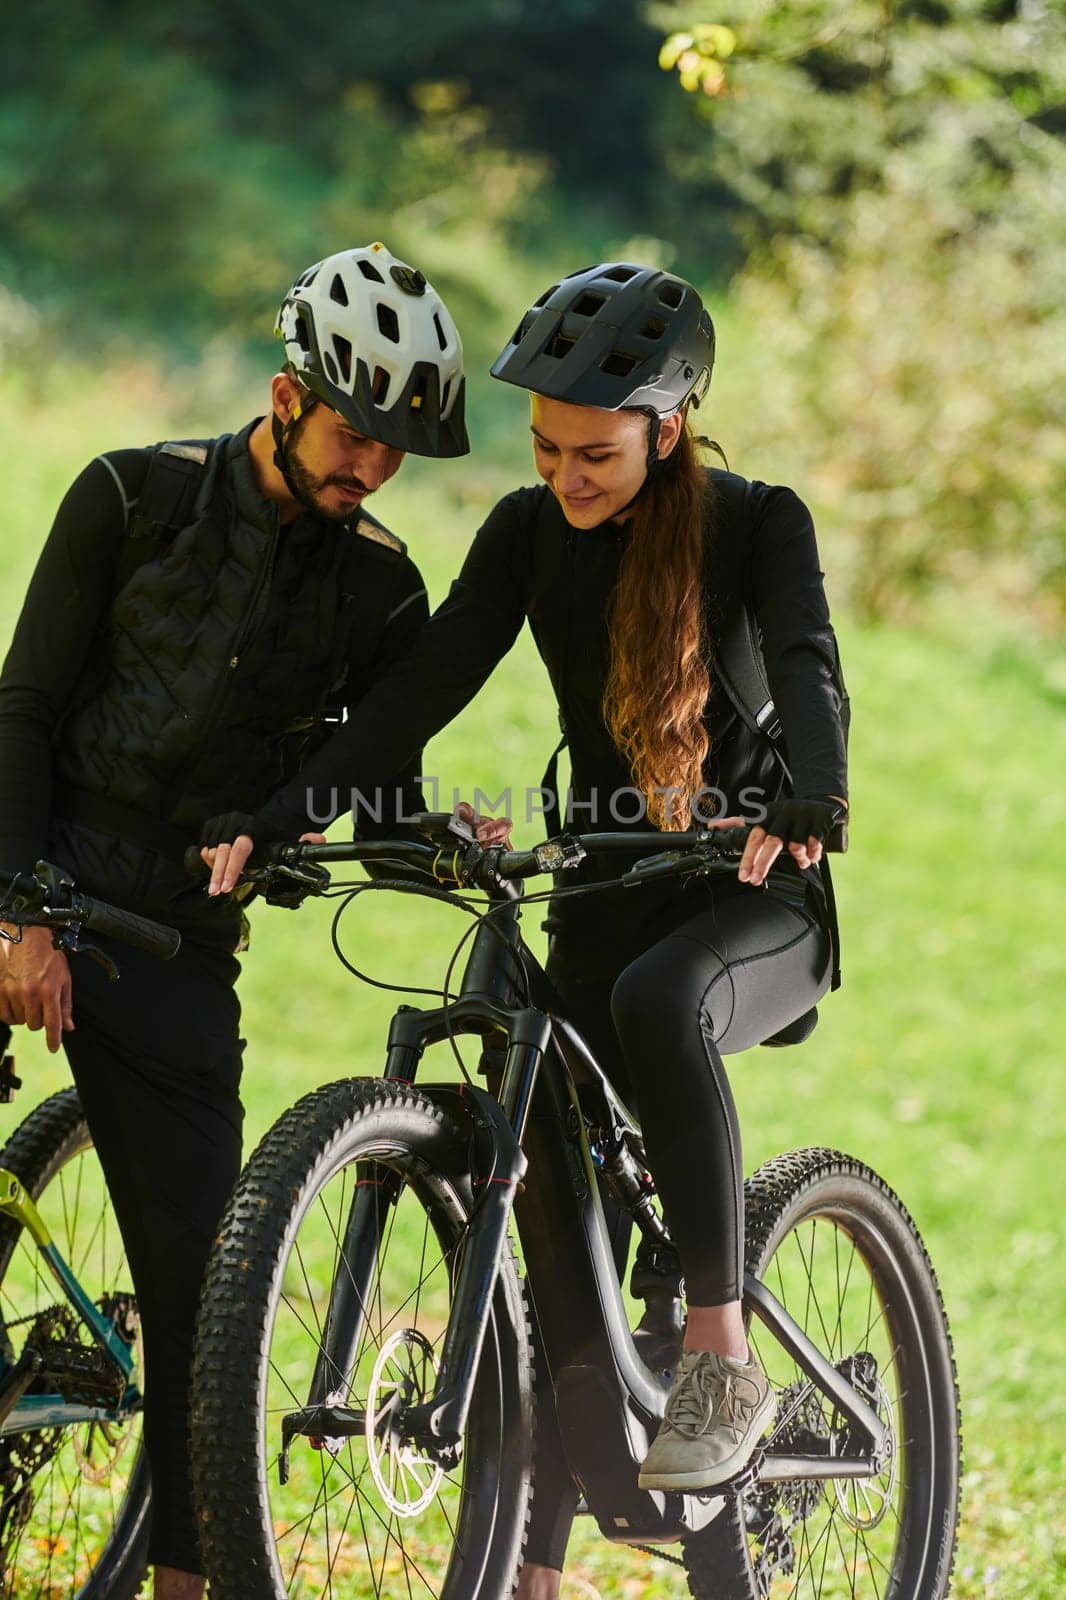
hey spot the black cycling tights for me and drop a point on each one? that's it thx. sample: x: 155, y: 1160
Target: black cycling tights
x: 660, y: 1009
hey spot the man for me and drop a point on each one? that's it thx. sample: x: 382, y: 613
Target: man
x: 198, y: 616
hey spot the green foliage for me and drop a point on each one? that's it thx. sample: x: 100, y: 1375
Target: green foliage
x: 904, y: 180
x: 809, y: 104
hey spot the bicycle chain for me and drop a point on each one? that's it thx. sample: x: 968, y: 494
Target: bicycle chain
x: 660, y: 1554
x: 737, y: 1485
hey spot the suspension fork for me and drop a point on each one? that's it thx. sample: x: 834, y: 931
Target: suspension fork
x: 500, y: 1125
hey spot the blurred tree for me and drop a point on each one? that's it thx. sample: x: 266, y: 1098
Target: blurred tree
x: 903, y: 174
x: 811, y: 102
x: 160, y: 163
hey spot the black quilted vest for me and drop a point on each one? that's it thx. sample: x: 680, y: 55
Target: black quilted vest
x: 212, y: 675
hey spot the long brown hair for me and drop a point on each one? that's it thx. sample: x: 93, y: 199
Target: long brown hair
x: 658, y: 681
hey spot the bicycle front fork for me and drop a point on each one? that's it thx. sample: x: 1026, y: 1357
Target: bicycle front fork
x: 497, y: 1127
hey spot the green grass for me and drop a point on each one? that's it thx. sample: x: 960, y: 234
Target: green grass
x: 939, y: 1061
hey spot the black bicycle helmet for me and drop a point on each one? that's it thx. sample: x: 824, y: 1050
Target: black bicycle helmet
x: 613, y: 336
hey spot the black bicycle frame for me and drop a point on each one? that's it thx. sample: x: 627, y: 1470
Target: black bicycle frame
x: 608, y: 1402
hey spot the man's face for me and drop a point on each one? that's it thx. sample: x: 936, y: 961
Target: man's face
x: 333, y: 466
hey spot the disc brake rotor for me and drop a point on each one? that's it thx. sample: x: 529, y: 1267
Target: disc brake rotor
x: 404, y: 1375
x: 864, y: 1502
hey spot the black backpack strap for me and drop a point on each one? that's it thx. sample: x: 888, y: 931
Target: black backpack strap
x: 550, y: 785
x: 564, y: 559
x: 741, y: 669
x: 166, y: 503
x: 370, y: 568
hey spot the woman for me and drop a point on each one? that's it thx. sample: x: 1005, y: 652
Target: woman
x: 619, y: 562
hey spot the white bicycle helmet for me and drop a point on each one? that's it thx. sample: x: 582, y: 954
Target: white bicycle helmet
x: 369, y: 336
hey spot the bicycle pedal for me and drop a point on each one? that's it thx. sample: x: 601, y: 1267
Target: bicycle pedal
x: 739, y: 1483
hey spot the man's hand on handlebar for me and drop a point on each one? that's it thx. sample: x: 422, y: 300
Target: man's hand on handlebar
x: 35, y: 986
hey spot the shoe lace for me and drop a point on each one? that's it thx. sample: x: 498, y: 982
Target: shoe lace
x: 705, y: 1394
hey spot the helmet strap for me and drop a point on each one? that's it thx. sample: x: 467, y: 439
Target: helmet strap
x: 653, y: 463
x: 653, y: 441
x: 281, y: 431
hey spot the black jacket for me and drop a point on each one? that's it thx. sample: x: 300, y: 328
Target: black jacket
x: 188, y: 689
x: 526, y: 562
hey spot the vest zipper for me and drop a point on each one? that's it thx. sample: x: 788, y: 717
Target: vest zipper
x: 224, y: 681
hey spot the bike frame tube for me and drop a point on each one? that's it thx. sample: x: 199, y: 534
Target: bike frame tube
x: 791, y: 1337
x: 17, y: 1203
x: 38, y: 1411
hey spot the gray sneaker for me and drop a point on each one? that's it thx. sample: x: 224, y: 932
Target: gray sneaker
x: 716, y: 1413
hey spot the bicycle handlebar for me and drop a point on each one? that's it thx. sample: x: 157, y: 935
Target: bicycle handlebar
x: 46, y: 898
x: 294, y: 871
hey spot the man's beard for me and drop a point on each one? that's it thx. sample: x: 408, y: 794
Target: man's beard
x: 310, y: 490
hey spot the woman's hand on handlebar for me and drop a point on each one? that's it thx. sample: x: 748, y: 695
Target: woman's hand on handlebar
x: 35, y: 986
x: 228, y: 860
x: 801, y: 824
x: 487, y: 830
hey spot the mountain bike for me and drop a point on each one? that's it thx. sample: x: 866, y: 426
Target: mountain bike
x: 362, y: 1398
x: 74, y: 1482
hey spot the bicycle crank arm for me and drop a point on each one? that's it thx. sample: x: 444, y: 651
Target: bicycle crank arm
x: 18, y: 1380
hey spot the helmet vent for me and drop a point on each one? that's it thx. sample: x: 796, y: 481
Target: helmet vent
x: 330, y: 366
x: 671, y: 294
x: 307, y: 278
x: 445, y: 392
x: 653, y: 329
x: 388, y: 323
x: 337, y: 291
x: 545, y: 297
x: 368, y: 269
x: 303, y: 338
x: 589, y: 304
x: 343, y: 351
x: 559, y: 346
x: 621, y: 274
x: 379, y: 388
x: 618, y: 364
x: 442, y: 338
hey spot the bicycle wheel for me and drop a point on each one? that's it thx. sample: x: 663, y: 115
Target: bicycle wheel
x: 839, y: 1251
x: 367, y: 1515
x: 74, y: 1501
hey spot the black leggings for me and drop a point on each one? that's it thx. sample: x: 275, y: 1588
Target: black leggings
x: 157, y: 1061
x: 660, y: 1006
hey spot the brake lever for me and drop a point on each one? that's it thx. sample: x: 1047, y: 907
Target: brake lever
x: 667, y: 864
x: 70, y: 942
x: 288, y: 883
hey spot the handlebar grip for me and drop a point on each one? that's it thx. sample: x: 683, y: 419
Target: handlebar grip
x: 154, y: 937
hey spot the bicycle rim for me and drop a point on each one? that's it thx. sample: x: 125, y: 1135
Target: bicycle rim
x: 73, y: 1501
x: 840, y: 1253
x: 367, y: 1514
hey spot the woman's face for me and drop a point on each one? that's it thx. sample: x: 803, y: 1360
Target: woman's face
x: 593, y: 461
